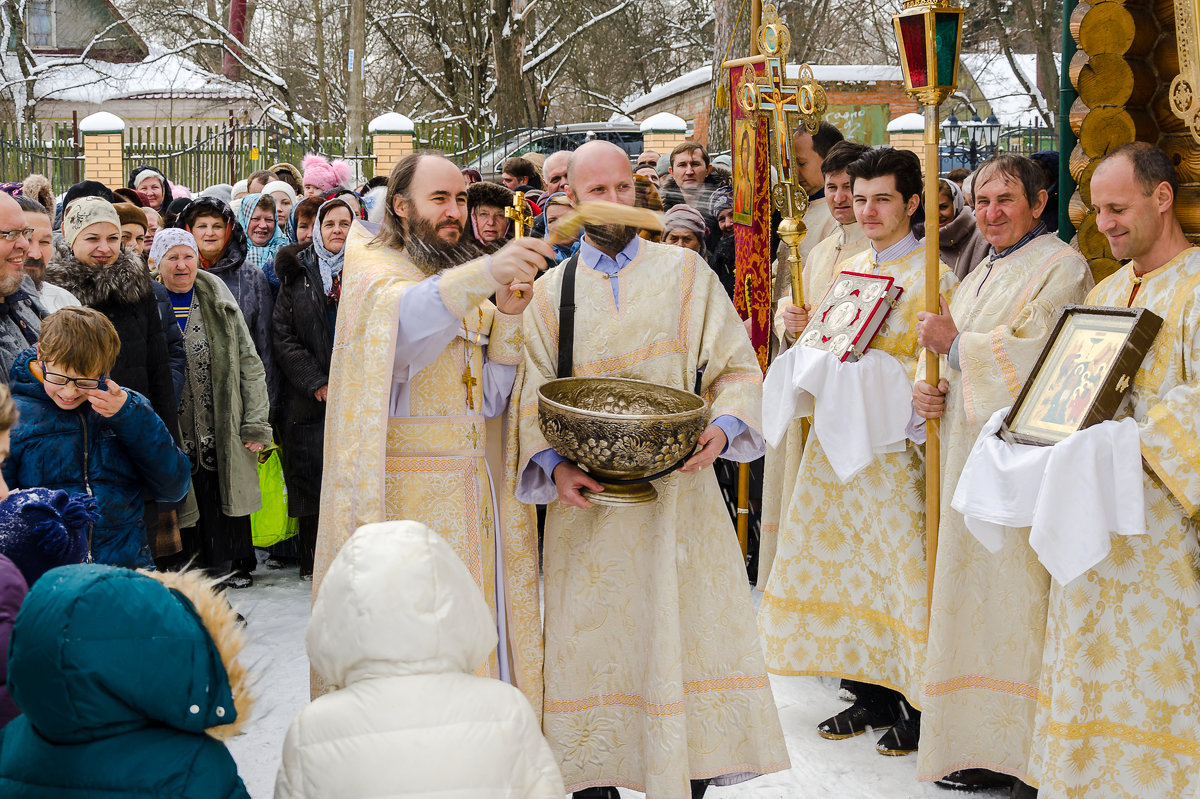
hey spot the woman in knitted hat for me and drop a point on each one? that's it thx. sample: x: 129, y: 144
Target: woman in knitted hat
x: 223, y: 411
x: 322, y: 177
x: 103, y: 276
x: 683, y: 226
x: 152, y: 186
x: 285, y: 200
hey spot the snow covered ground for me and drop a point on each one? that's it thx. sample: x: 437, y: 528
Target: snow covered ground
x: 276, y: 610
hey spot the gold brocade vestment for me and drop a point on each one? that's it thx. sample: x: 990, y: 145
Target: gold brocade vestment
x: 1119, y: 697
x: 444, y: 464
x: 653, y: 672
x: 783, y: 462
x: 989, y: 610
x: 846, y: 595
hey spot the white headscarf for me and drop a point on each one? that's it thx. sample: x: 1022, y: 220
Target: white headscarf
x: 167, y: 238
x: 956, y: 195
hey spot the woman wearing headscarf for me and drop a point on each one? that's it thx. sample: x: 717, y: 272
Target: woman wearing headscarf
x: 152, y: 186
x: 556, y: 206
x: 684, y: 226
x: 962, y: 244
x: 303, y: 324
x: 103, y: 276
x: 224, y: 409
x: 263, y: 234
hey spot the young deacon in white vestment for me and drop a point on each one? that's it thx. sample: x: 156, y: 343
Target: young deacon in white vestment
x: 846, y: 595
x: 422, y: 360
x: 654, y: 676
x: 989, y: 610
x: 1119, y: 702
x: 819, y: 267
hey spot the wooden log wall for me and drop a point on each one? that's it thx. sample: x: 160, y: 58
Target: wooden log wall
x: 1126, y: 61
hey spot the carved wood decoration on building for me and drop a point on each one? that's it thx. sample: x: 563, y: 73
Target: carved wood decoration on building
x: 1137, y: 63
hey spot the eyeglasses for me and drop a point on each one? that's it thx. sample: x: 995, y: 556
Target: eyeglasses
x: 56, y: 379
x: 13, y: 235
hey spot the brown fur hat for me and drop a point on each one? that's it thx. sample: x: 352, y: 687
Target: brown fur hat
x: 37, y: 187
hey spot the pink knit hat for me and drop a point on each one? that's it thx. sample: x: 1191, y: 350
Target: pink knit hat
x: 324, y: 174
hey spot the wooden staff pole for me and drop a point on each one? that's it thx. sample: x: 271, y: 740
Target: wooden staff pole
x: 743, y: 488
x: 933, y: 487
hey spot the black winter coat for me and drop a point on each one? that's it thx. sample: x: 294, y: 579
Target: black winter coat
x: 303, y: 341
x: 124, y: 292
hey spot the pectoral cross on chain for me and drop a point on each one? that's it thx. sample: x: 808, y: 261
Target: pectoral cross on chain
x: 470, y: 382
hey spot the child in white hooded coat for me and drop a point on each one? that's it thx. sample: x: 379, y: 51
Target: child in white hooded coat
x: 398, y: 628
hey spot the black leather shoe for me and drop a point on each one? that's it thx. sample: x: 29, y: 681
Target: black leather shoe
x: 855, y: 720
x: 974, y: 779
x: 902, y: 738
x: 597, y: 793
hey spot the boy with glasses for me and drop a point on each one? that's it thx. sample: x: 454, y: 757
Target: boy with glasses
x: 82, y: 433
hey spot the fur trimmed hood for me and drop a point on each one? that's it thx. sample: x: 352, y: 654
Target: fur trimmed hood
x: 125, y: 282
x: 221, y: 622
x: 99, y: 651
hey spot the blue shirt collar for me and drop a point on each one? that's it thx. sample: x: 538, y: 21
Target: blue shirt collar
x: 900, y: 249
x: 602, y: 261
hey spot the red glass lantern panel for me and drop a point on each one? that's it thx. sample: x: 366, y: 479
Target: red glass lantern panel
x: 912, y: 34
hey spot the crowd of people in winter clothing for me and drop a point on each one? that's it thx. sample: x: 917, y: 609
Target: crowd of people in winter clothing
x: 155, y: 349
x: 221, y: 310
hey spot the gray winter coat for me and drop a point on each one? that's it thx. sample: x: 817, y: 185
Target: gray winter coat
x: 248, y: 285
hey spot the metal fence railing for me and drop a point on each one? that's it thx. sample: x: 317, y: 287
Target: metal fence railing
x: 50, y: 149
x: 200, y: 156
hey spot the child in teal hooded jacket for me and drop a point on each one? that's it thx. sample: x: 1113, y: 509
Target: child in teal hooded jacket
x: 125, y: 681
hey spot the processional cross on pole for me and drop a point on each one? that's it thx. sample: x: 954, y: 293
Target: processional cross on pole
x: 787, y: 104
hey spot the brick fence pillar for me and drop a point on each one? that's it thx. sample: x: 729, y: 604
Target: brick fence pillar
x: 392, y: 139
x: 104, y: 148
x: 908, y: 133
x: 663, y: 132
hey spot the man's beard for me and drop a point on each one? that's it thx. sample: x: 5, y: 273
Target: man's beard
x: 430, y: 252
x: 36, y: 269
x: 611, y: 238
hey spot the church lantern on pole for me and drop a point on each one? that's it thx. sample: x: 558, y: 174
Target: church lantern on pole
x: 928, y: 35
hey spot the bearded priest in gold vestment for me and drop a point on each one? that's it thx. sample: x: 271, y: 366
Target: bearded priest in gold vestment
x: 654, y: 677
x: 422, y: 360
x: 846, y: 595
x: 989, y: 610
x: 1119, y: 702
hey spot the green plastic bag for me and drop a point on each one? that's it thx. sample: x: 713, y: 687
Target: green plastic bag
x: 271, y: 524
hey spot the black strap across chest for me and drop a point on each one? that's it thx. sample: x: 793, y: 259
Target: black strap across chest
x: 566, y: 318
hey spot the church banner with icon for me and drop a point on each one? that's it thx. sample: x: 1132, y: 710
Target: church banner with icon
x: 751, y: 213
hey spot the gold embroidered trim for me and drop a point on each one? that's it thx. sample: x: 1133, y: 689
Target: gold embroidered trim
x: 836, y: 609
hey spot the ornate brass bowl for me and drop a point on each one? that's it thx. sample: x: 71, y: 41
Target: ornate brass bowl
x: 622, y: 432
